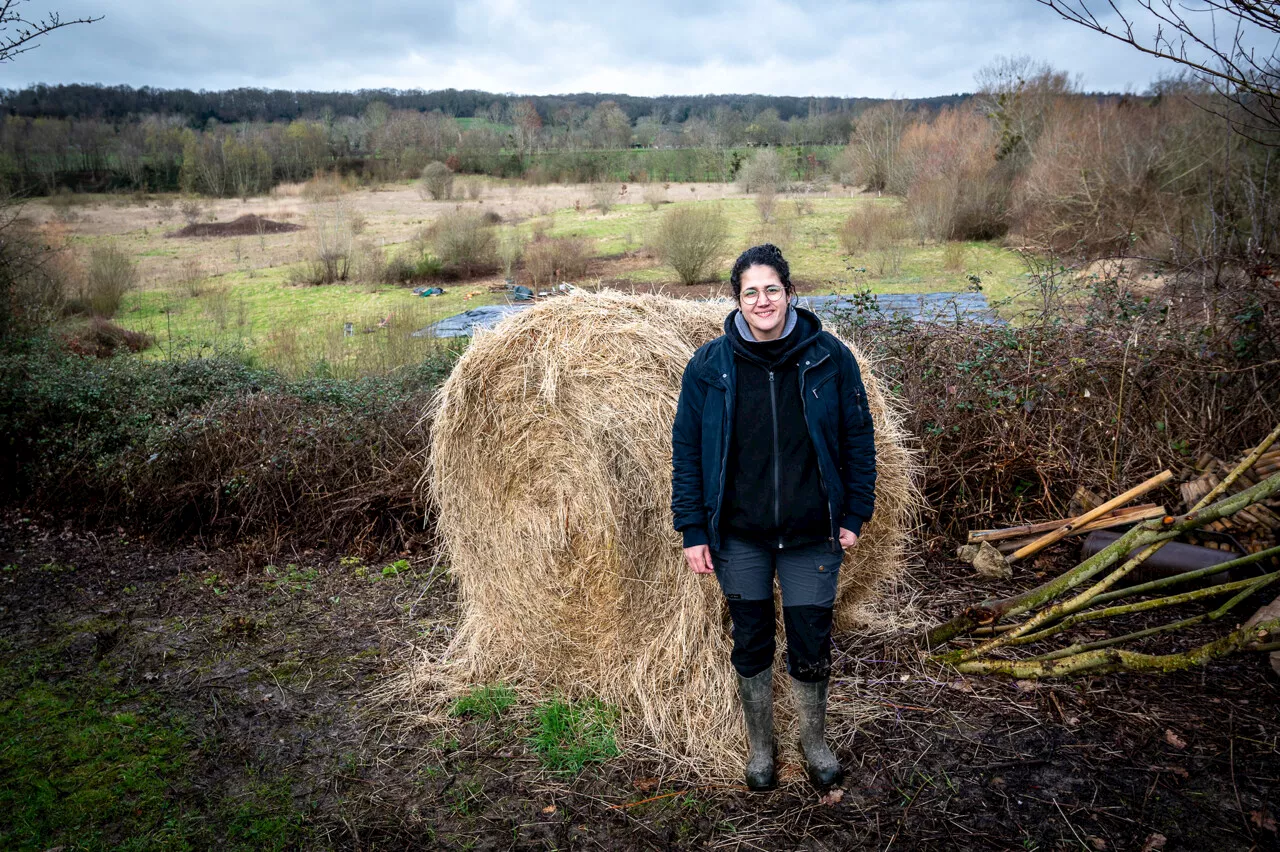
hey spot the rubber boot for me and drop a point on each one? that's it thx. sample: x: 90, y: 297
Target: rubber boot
x: 811, y: 711
x: 757, y: 705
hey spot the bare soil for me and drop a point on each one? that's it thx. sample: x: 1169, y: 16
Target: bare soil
x: 242, y: 226
x: 269, y: 671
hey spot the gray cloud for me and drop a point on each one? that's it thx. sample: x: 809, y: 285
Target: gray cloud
x: 871, y: 48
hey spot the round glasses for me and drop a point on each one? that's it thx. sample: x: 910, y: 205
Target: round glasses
x: 751, y: 295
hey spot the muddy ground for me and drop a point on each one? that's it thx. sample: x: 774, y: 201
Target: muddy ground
x: 228, y: 701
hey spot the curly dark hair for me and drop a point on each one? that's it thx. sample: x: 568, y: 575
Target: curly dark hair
x: 762, y: 255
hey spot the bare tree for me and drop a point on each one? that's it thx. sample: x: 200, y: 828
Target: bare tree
x: 1190, y: 33
x: 18, y: 33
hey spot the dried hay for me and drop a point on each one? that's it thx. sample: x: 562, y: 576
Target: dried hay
x: 551, y: 470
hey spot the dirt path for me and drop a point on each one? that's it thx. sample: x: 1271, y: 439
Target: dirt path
x: 241, y: 686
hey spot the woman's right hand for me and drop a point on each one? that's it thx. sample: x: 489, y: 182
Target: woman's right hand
x: 699, y: 559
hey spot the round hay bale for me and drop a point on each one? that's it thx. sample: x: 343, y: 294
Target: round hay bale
x: 551, y: 472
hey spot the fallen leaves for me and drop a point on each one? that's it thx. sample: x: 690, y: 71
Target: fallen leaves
x: 1174, y: 740
x: 1154, y: 842
x: 833, y: 797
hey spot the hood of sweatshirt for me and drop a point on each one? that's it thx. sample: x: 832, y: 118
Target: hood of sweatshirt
x: 800, y: 329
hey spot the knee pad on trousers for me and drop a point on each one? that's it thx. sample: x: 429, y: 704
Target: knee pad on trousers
x: 808, y: 641
x: 753, y: 641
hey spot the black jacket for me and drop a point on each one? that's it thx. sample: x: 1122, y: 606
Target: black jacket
x: 773, y: 491
x: 834, y: 408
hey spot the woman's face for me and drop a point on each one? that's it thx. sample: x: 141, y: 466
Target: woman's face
x: 766, y: 317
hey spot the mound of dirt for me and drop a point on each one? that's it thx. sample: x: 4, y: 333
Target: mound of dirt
x: 248, y: 225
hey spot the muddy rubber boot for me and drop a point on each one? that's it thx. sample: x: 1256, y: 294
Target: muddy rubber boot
x: 811, y: 712
x: 757, y: 705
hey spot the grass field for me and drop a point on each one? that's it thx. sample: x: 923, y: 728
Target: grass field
x: 203, y: 295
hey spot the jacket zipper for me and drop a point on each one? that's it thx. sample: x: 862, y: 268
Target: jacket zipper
x: 777, y: 511
x: 724, y: 455
x: 804, y: 407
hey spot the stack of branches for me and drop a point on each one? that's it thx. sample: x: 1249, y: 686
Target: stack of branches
x: 1051, y: 611
x: 1013, y: 418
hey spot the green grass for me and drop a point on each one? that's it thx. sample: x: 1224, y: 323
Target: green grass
x: 810, y: 244
x: 88, y: 771
x: 485, y: 702
x: 300, y: 329
x: 569, y: 735
x: 89, y: 764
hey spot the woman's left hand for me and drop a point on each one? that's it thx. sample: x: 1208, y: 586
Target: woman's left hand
x: 847, y: 539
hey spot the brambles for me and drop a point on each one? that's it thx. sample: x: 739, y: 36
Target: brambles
x: 691, y: 240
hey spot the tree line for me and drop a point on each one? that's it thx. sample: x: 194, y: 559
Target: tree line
x: 119, y: 103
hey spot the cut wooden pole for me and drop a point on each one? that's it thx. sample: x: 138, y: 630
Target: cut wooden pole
x: 1152, y: 631
x: 1143, y: 606
x: 1187, y: 576
x: 1137, y: 514
x: 1150, y: 536
x: 1114, y: 503
x: 1119, y: 516
x: 1109, y: 660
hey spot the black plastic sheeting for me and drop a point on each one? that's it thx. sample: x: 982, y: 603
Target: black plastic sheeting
x: 921, y: 307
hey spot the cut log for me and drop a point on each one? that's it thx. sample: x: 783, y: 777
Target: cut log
x: 1114, y: 503
x: 1111, y: 519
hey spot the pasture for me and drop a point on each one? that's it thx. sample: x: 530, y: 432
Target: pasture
x: 200, y: 295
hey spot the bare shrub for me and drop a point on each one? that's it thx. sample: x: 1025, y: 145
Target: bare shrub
x: 510, y: 250
x: 464, y: 241
x: 804, y: 206
x: 1102, y: 175
x: 764, y: 169
x: 541, y: 228
x: 871, y: 157
x: 37, y: 269
x: 357, y: 221
x: 191, y: 276
x: 329, y: 256
x: 954, y: 186
x: 475, y: 189
x: 326, y: 186
x: 109, y: 275
x: 551, y: 261
x: 215, y: 304
x: 437, y: 181
x: 866, y: 228
x: 369, y: 263
x: 655, y: 195
x: 953, y: 255
x: 192, y: 210
x: 777, y: 231
x: 604, y: 196
x: 766, y: 201
x: 691, y: 240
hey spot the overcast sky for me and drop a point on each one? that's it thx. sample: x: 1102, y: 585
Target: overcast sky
x: 868, y: 48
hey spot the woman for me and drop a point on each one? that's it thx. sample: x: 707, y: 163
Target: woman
x: 773, y: 473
